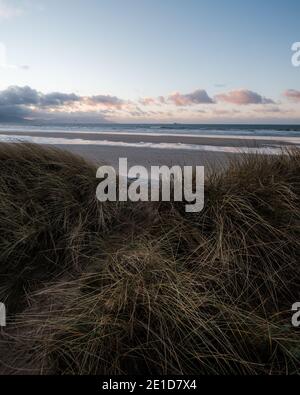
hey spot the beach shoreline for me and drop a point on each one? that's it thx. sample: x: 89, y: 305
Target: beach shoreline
x: 153, y: 149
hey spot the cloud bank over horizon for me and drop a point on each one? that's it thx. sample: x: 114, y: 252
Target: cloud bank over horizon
x: 19, y: 104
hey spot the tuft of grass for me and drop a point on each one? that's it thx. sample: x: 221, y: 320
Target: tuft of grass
x: 131, y: 288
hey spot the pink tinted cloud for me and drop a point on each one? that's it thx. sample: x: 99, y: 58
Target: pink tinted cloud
x: 292, y: 95
x: 147, y: 101
x: 162, y: 99
x: 243, y: 97
x: 105, y: 101
x: 199, y: 96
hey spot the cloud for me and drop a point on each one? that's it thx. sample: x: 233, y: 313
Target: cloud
x: 147, y: 101
x: 292, y: 95
x: 16, y: 96
x: 199, y: 96
x: 14, y: 113
x: 25, y: 103
x: 270, y: 110
x: 9, y: 10
x: 243, y: 97
x: 107, y: 100
x: 18, y: 103
x: 58, y: 99
x: 67, y: 117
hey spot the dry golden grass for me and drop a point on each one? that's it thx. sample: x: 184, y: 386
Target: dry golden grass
x: 146, y: 288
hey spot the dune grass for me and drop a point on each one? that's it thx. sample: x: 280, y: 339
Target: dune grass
x: 131, y: 288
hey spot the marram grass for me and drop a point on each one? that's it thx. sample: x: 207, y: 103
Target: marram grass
x: 132, y: 288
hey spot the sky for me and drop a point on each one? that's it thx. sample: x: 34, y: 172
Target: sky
x: 190, y: 61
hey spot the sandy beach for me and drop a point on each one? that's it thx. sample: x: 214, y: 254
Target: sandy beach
x: 153, y: 148
x: 148, y: 156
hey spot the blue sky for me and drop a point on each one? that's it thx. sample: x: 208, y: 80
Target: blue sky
x: 145, y: 49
